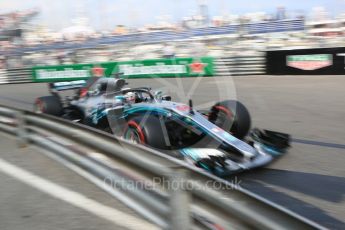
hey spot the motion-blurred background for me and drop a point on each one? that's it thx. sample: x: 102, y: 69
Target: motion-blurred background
x: 41, y: 32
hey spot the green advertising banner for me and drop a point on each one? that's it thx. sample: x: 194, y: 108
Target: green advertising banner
x: 178, y: 67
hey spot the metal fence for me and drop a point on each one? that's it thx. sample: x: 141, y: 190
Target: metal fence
x: 20, y: 75
x: 168, y: 192
x: 241, y: 65
x: 3, y: 77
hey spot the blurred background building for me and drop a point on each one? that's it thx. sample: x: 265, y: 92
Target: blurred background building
x: 24, y: 43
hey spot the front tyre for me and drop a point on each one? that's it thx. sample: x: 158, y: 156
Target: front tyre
x: 232, y: 116
x: 147, y: 130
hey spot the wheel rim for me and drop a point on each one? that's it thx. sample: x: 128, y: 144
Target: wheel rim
x: 225, y: 118
x: 228, y: 113
x: 38, y: 107
x: 132, y: 135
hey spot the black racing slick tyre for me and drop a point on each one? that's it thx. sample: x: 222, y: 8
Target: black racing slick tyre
x: 232, y: 116
x: 149, y: 131
x: 49, y: 105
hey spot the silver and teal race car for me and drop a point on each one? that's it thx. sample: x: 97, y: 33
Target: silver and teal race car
x: 218, y: 140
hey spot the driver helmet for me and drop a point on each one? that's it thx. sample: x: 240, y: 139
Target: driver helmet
x: 130, y: 97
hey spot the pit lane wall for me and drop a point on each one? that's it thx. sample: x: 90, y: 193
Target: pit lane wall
x: 176, y: 67
x: 323, y: 61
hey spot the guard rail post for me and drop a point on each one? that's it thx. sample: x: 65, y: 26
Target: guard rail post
x: 179, y: 200
x: 22, y: 134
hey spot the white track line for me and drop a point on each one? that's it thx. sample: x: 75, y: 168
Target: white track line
x: 78, y: 200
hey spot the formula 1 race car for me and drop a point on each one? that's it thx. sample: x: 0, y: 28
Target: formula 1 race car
x: 216, y: 140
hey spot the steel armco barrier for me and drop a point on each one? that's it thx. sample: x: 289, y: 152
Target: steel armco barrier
x: 240, y: 65
x: 13, y: 76
x: 163, y: 189
x: 20, y: 75
x: 3, y: 76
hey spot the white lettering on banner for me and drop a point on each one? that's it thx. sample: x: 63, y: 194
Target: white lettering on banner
x: 68, y: 83
x: 156, y: 69
x: 48, y: 74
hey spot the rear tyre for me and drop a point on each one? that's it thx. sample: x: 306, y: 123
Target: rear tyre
x: 232, y: 116
x: 148, y: 131
x: 49, y: 105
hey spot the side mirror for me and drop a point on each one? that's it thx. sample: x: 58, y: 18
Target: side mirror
x: 166, y: 98
x: 158, y: 94
x: 119, y: 84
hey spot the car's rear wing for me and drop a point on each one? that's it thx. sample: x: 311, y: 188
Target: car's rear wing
x: 67, y: 85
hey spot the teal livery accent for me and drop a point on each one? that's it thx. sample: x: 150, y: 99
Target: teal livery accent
x: 204, y: 166
x: 271, y: 150
x: 97, y: 115
x: 144, y: 109
x: 192, y: 153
